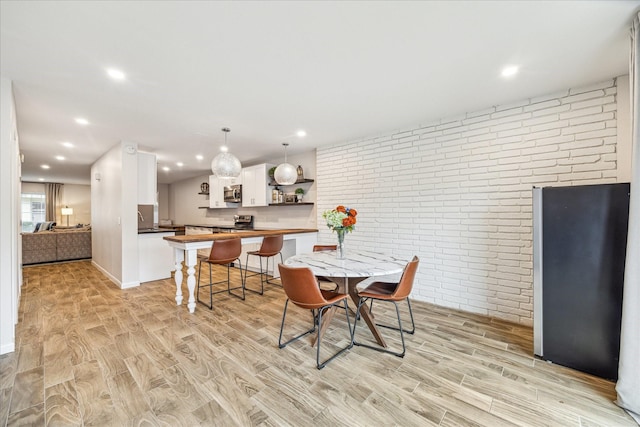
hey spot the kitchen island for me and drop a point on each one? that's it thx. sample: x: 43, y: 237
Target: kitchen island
x: 185, y: 249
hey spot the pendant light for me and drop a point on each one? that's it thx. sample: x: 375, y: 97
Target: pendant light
x: 225, y: 164
x: 285, y: 174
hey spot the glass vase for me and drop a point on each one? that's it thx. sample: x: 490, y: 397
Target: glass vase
x: 340, y: 248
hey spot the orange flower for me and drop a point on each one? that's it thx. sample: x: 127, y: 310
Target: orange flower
x: 353, y: 212
x: 341, y: 209
x: 348, y: 221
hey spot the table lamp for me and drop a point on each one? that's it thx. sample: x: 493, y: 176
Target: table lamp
x: 67, y: 211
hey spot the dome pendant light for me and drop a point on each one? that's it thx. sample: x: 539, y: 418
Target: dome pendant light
x: 225, y: 164
x: 285, y: 174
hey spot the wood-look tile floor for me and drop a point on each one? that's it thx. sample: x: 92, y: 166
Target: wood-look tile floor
x: 89, y: 353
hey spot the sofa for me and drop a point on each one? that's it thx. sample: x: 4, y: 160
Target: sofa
x: 56, y: 245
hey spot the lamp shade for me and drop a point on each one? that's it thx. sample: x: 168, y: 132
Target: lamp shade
x: 286, y: 174
x: 66, y: 211
x: 226, y: 165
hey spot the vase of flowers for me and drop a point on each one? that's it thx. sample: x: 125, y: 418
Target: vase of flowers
x: 342, y: 220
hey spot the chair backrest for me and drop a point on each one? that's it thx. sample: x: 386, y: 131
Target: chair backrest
x: 406, y: 281
x: 271, y: 245
x: 225, y: 251
x: 301, y: 287
x: 321, y: 248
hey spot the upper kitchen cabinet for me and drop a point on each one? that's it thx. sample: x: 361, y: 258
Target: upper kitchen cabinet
x: 216, y: 191
x: 147, y: 179
x: 255, y: 191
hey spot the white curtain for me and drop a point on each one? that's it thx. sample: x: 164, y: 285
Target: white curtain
x: 628, y: 386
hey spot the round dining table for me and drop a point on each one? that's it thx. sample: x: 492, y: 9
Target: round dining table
x: 357, y: 266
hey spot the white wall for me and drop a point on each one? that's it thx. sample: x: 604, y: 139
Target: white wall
x: 77, y: 197
x: 184, y: 201
x: 457, y: 191
x: 10, y: 272
x: 114, y: 219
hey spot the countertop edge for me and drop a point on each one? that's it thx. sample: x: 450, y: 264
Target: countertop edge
x: 241, y: 234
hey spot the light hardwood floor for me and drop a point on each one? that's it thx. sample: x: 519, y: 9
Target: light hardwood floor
x: 89, y: 353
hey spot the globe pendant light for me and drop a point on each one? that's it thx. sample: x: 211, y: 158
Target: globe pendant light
x: 225, y: 164
x: 285, y: 174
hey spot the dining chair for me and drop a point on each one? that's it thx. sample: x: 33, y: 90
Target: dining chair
x: 301, y: 288
x: 390, y: 292
x: 223, y: 252
x: 270, y: 247
x: 324, y: 282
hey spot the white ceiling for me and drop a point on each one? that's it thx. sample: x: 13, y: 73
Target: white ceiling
x: 339, y: 70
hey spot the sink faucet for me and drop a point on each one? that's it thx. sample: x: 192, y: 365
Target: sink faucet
x: 140, y: 216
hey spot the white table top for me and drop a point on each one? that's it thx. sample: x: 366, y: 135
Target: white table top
x: 356, y: 264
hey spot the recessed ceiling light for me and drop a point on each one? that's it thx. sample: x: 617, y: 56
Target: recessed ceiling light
x: 67, y: 144
x: 180, y: 164
x: 509, y: 71
x: 59, y: 157
x: 45, y: 166
x: 301, y: 133
x: 166, y: 168
x: 199, y: 156
x: 116, y: 74
x: 82, y: 121
x: 40, y: 179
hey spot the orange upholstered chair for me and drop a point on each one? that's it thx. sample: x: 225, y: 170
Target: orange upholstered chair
x: 302, y: 289
x: 391, y: 292
x: 223, y: 252
x: 270, y: 247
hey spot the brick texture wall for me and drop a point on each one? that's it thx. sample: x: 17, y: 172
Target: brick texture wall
x: 457, y: 192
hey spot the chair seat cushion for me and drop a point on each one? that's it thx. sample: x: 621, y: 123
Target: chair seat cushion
x: 330, y: 297
x: 263, y: 254
x: 380, y: 290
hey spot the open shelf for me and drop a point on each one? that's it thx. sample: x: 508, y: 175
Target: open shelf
x: 301, y: 181
x: 291, y: 204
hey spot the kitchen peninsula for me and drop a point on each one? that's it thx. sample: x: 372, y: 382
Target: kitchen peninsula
x: 296, y: 241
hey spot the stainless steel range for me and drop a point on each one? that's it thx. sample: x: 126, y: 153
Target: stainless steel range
x: 243, y: 222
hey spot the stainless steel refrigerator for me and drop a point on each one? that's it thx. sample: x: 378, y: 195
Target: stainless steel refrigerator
x: 579, y: 246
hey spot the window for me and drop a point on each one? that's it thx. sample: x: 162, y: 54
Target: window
x: 33, y: 210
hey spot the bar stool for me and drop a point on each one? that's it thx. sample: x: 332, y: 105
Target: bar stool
x: 271, y: 246
x: 223, y: 252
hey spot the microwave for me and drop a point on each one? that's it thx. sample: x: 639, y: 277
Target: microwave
x: 233, y: 193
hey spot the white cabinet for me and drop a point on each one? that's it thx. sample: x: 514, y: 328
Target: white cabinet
x: 147, y: 179
x: 216, y: 191
x: 255, y: 191
x: 155, y: 257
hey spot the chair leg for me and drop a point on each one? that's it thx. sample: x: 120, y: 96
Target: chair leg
x: 246, y: 276
x: 229, y: 288
x: 408, y: 331
x: 346, y: 312
x: 274, y: 269
x: 264, y: 274
x: 210, y: 306
x: 284, y: 314
x: 382, y: 349
x: 228, y: 281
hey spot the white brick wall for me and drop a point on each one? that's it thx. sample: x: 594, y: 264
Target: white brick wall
x: 457, y: 192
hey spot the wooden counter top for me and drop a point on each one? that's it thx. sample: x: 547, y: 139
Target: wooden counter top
x: 242, y: 234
